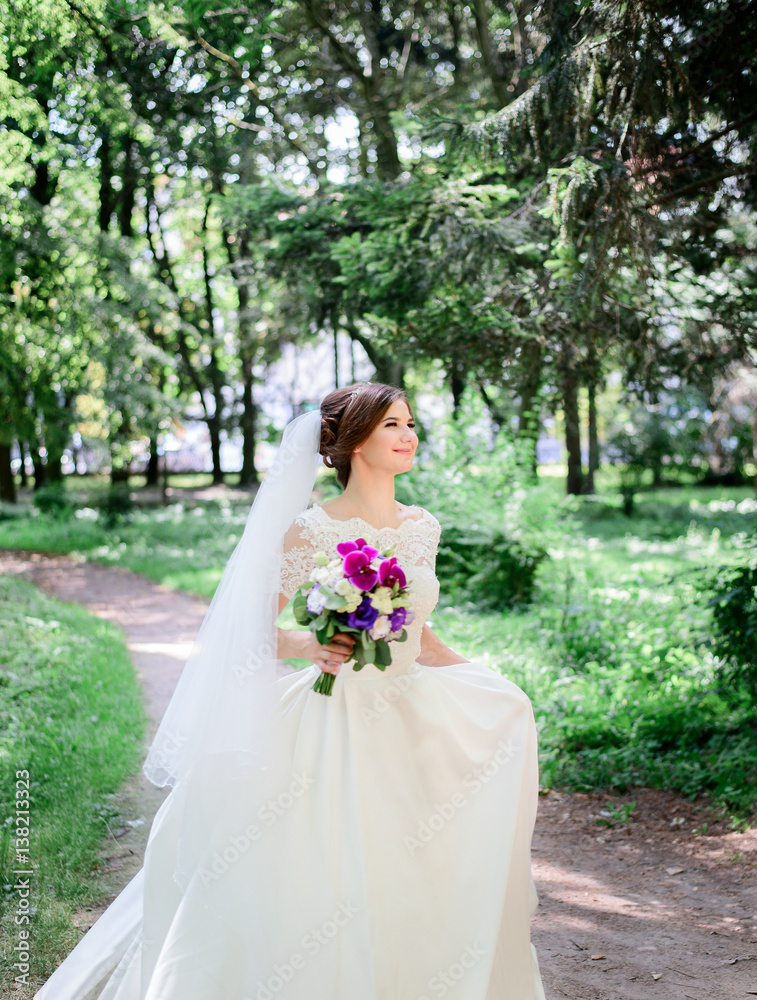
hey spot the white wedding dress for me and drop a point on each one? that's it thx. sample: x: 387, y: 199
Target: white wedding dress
x: 417, y: 789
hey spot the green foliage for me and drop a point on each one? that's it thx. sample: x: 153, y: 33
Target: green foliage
x: 485, y: 568
x: 734, y: 623
x: 613, y: 815
x: 71, y: 714
x: 498, y: 522
x: 116, y: 503
x: 52, y: 500
x: 681, y: 435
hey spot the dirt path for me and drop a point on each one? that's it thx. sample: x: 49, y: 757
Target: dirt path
x: 653, y: 908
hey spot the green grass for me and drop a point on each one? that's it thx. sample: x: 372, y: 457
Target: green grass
x: 613, y: 651
x: 71, y: 715
x: 183, y: 546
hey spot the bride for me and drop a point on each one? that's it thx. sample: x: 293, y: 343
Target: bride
x: 370, y: 845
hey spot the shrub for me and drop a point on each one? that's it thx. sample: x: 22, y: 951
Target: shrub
x: 52, y: 500
x: 482, y: 565
x: 116, y: 503
x: 498, y: 522
x: 734, y: 623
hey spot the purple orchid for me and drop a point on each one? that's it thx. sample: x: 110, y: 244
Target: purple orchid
x: 390, y: 573
x: 357, y: 557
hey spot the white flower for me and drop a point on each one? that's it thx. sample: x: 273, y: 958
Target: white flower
x: 381, y: 628
x: 381, y: 600
x: 316, y: 601
x: 350, y: 606
x: 345, y: 589
x: 320, y: 575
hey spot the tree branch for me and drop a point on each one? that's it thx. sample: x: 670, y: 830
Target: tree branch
x: 236, y: 69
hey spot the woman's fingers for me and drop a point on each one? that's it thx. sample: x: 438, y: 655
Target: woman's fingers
x: 338, y: 650
x: 335, y: 652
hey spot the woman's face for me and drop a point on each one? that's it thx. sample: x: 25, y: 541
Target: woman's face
x: 392, y: 443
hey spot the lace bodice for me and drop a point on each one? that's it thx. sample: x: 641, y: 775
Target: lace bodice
x: 416, y: 542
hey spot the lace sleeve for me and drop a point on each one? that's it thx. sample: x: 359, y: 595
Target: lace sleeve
x: 419, y: 544
x: 297, y: 558
x: 435, y: 536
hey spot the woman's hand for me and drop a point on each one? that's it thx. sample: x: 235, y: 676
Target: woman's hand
x: 330, y: 657
x: 434, y: 653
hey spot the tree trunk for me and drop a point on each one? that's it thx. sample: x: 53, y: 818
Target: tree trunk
x: 754, y: 449
x: 390, y: 371
x: 388, y: 166
x: 7, y: 482
x: 54, y: 468
x: 214, y: 427
x: 57, y: 432
x: 594, y: 461
x: 23, y: 450
x: 498, y: 416
x: 216, y: 376
x: 572, y: 427
x: 120, y: 457
x: 106, y: 184
x: 528, y: 408
x: 40, y: 472
x: 387, y: 369
x: 128, y: 191
x: 588, y: 486
x: 491, y: 60
x: 152, y: 472
x: 248, y: 474
x: 457, y: 385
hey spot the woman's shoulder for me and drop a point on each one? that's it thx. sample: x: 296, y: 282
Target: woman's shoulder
x: 422, y: 517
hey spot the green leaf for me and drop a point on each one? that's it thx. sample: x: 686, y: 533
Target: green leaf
x: 383, y: 654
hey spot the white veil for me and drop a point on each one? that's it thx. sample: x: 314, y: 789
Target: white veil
x: 225, y: 702
x: 233, y: 842
x: 215, y: 864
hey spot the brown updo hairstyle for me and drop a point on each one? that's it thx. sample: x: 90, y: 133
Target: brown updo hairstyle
x: 348, y: 417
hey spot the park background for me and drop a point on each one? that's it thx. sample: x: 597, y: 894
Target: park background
x: 540, y: 219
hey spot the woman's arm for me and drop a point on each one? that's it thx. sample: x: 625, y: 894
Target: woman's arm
x: 434, y: 653
x: 303, y: 645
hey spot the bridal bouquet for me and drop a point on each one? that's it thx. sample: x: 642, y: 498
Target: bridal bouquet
x: 360, y: 591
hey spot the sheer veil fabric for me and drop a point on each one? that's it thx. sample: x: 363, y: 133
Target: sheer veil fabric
x: 229, y: 838
x: 372, y: 845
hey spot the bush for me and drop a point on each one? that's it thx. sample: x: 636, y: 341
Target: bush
x: 734, y: 623
x: 498, y: 522
x: 52, y: 500
x: 116, y: 504
x: 483, y: 566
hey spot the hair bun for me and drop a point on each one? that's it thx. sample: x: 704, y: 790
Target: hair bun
x: 329, y: 432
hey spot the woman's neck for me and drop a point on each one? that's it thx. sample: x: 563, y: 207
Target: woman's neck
x: 371, y: 497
